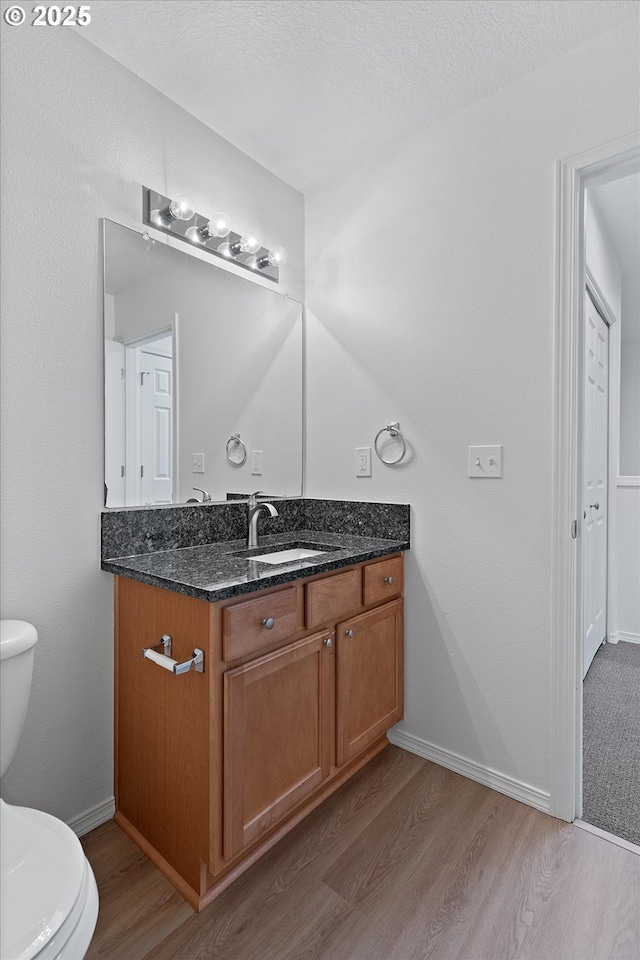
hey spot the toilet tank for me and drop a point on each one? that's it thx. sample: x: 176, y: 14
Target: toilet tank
x: 17, y: 647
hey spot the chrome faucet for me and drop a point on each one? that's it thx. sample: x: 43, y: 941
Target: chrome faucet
x: 255, y: 509
x: 206, y: 497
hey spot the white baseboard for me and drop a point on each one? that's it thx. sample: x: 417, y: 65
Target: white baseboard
x: 94, y: 817
x: 627, y: 637
x: 474, y: 771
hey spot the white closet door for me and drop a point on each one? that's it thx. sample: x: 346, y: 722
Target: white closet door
x: 156, y: 409
x: 595, y: 486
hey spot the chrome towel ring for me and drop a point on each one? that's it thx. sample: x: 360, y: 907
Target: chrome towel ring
x: 235, y: 444
x: 393, y: 429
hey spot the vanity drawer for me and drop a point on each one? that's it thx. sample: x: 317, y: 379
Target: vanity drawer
x: 255, y: 625
x: 383, y: 580
x: 333, y: 598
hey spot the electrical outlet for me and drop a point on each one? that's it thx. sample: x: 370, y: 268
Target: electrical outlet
x: 363, y: 461
x: 198, y: 462
x: 485, y: 461
x: 256, y: 463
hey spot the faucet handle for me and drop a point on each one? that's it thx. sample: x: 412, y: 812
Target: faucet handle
x: 253, y: 498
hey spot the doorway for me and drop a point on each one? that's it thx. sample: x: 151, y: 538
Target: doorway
x: 141, y: 416
x: 572, y: 529
x: 611, y: 505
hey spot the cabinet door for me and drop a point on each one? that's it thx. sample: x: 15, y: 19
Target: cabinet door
x: 369, y: 678
x: 277, y: 723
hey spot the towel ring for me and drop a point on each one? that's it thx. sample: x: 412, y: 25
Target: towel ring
x: 236, y: 440
x: 393, y: 429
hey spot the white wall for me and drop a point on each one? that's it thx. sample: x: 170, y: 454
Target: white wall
x: 628, y: 494
x: 628, y: 569
x: 80, y: 135
x: 430, y: 294
x: 630, y: 410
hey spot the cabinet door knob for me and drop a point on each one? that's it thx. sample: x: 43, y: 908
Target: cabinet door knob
x: 388, y: 580
x: 328, y: 642
x: 268, y: 623
x: 349, y: 633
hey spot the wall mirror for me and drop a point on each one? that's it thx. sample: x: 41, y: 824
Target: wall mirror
x: 203, y: 378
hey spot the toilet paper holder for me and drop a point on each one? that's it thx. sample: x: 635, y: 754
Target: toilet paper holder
x: 161, y: 654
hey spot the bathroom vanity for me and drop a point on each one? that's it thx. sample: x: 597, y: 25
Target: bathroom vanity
x: 302, y: 676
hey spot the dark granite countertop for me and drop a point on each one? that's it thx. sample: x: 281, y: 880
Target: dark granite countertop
x: 217, y: 571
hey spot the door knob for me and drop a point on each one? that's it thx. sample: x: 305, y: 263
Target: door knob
x: 349, y: 633
x: 388, y: 580
x: 268, y: 623
x: 328, y: 642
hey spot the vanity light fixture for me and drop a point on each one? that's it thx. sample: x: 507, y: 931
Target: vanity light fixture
x: 178, y: 218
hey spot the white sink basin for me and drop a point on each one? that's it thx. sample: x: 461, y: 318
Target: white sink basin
x: 287, y: 556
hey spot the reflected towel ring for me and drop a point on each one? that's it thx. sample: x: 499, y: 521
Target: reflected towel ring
x: 393, y: 429
x: 236, y: 440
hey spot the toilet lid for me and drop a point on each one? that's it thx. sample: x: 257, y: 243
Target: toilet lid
x: 43, y: 868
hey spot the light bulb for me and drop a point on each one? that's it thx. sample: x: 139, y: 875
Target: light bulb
x: 225, y: 250
x: 195, y: 235
x: 219, y: 225
x: 277, y: 256
x: 250, y: 242
x: 181, y: 208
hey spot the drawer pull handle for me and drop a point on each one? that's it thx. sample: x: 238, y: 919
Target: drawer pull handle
x: 328, y: 642
x: 349, y: 633
x: 388, y: 580
x: 195, y: 663
x: 268, y: 623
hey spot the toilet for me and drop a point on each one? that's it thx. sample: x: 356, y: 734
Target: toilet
x: 48, y: 892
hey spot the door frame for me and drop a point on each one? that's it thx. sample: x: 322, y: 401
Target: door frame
x: 606, y: 162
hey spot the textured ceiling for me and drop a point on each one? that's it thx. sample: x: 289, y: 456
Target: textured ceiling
x: 310, y: 87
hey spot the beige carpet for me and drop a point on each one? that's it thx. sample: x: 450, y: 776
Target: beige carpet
x: 611, y: 741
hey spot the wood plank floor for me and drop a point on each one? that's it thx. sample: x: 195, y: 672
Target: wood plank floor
x: 406, y: 861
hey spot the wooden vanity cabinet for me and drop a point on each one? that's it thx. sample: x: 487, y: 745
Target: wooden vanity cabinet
x: 300, y: 684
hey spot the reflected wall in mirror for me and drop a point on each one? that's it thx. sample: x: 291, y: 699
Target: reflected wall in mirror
x: 195, y: 356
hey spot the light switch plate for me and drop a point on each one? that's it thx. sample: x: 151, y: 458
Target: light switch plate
x: 198, y: 462
x: 485, y: 461
x: 256, y: 463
